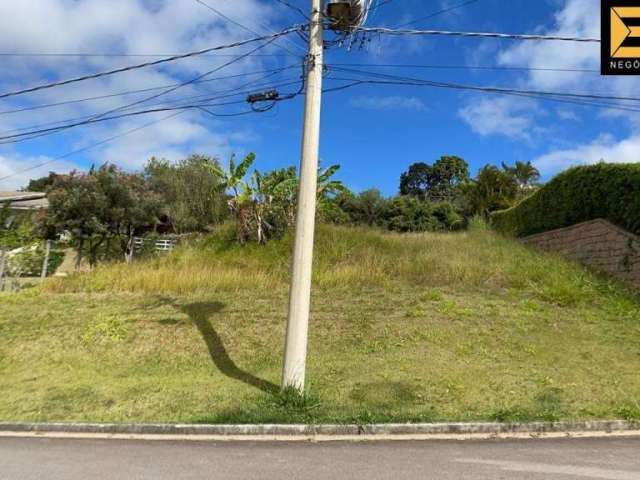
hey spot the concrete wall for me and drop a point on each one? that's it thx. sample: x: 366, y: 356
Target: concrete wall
x: 597, y: 244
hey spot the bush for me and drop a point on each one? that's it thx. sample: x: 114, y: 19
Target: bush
x: 28, y: 262
x: 609, y: 191
x: 409, y: 214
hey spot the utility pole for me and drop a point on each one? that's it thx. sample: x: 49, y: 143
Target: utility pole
x: 293, y: 375
x: 3, y: 259
x: 45, y: 263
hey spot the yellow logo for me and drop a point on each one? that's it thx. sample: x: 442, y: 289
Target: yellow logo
x: 625, y: 32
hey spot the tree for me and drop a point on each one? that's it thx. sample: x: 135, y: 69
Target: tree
x: 438, y: 182
x: 524, y: 173
x: 265, y: 205
x: 42, y: 184
x: 368, y: 207
x: 233, y: 179
x: 416, y: 181
x: 493, y: 189
x: 193, y: 193
x: 447, y: 174
x: 98, y: 206
x: 410, y: 214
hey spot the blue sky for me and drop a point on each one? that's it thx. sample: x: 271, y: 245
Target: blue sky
x: 374, y: 132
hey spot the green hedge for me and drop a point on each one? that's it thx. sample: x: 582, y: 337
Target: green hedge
x: 609, y: 191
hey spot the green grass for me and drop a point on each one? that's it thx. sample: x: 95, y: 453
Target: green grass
x: 464, y: 326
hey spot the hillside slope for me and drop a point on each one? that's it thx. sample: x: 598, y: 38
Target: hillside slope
x: 460, y: 326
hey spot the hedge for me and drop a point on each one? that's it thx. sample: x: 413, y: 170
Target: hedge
x: 605, y: 190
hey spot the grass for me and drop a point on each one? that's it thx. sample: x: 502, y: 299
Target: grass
x: 464, y: 326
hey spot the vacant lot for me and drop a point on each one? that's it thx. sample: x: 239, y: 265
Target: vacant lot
x: 463, y: 326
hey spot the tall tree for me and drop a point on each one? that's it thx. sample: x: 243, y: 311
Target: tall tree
x: 525, y: 173
x: 447, y: 174
x: 193, y: 194
x: 98, y: 206
x: 42, y: 184
x: 416, y: 181
x: 440, y: 181
x: 492, y: 189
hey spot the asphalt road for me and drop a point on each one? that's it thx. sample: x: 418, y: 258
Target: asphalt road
x: 53, y: 459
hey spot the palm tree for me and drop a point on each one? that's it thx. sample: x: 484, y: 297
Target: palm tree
x: 524, y: 173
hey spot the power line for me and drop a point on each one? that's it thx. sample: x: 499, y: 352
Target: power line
x: 356, y: 82
x: 439, y: 12
x: 143, y: 90
x: 513, y: 36
x: 188, y: 82
x: 47, y: 132
x: 94, y: 145
x: 148, y: 64
x: 115, y: 117
x: 468, y: 67
x: 584, y: 100
x: 590, y: 96
x: 37, y: 132
x: 294, y: 8
x: 202, y: 98
x: 244, y: 27
x: 84, y: 54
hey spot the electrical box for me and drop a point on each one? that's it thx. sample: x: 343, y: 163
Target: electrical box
x: 346, y: 14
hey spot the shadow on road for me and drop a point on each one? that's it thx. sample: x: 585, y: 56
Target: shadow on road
x: 200, y: 314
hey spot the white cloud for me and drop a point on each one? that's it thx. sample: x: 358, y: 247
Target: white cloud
x: 604, y: 148
x: 128, y: 27
x: 573, y: 18
x: 501, y: 116
x: 36, y: 167
x: 389, y: 103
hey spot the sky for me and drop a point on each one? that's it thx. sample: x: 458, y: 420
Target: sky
x: 373, y: 131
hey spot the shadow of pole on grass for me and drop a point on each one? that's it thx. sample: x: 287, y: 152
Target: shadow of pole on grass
x: 199, y: 314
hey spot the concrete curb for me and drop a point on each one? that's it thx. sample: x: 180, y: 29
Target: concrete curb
x: 293, y: 432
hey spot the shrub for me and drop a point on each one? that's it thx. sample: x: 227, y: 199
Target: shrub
x: 609, y: 191
x: 409, y: 214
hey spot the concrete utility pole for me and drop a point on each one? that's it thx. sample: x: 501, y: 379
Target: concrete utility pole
x: 3, y: 258
x: 300, y: 294
x: 45, y: 263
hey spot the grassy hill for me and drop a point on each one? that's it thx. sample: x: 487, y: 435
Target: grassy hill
x: 461, y: 326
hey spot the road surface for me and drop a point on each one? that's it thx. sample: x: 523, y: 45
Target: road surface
x: 54, y: 459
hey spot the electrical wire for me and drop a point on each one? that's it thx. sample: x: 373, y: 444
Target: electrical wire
x: 439, y: 12
x: 37, y: 132
x: 244, y: 27
x: 188, y: 82
x: 512, y: 92
x: 468, y: 67
x: 143, y: 90
x: 513, y: 36
x: 224, y: 94
x: 118, y: 55
x: 144, y: 100
x: 294, y: 8
x: 149, y: 64
x: 94, y: 145
x: 590, y: 96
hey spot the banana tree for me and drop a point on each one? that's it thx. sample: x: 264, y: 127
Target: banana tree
x: 233, y: 180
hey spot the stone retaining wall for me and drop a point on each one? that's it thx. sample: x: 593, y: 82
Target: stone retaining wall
x: 597, y: 244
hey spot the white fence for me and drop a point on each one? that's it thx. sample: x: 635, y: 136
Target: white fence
x: 160, y: 245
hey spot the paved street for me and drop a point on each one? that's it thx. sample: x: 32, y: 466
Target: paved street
x: 51, y: 459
